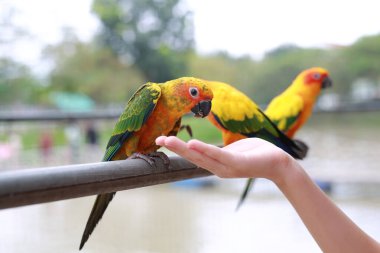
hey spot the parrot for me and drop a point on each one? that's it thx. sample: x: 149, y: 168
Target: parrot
x: 155, y: 109
x: 239, y: 117
x: 292, y: 108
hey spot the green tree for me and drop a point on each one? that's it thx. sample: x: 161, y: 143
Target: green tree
x: 156, y: 35
x: 17, y: 85
x: 221, y: 66
x: 280, y: 66
x: 85, y: 68
x: 363, y: 57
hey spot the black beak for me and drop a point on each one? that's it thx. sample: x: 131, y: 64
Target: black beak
x: 327, y: 82
x: 202, y: 109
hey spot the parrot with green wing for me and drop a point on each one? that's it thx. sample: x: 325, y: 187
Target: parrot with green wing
x: 291, y: 109
x: 238, y: 117
x: 155, y: 109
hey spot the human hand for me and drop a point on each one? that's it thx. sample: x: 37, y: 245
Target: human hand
x: 247, y: 158
x: 253, y: 158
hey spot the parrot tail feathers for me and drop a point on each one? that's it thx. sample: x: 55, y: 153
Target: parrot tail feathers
x: 100, y: 206
x: 248, y: 187
x: 296, y: 148
x: 303, y: 148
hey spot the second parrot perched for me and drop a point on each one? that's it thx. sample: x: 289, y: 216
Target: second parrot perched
x: 291, y: 109
x: 155, y: 109
x: 238, y: 117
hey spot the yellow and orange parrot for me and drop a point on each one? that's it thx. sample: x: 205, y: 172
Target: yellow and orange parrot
x: 155, y: 109
x: 238, y: 117
x: 292, y: 108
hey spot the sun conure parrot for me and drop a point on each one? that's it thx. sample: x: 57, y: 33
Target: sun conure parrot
x: 154, y: 110
x: 291, y: 109
x: 238, y: 117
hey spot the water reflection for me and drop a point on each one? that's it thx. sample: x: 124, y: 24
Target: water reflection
x: 338, y: 153
x: 170, y: 219
x: 345, y: 152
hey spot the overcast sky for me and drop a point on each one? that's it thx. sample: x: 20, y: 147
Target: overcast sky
x: 238, y: 27
x: 253, y: 27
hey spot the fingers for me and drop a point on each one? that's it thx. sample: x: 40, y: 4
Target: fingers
x: 213, y: 152
x: 245, y: 158
x: 176, y: 145
x: 160, y: 140
x: 207, y: 149
x: 172, y: 143
x: 200, y: 153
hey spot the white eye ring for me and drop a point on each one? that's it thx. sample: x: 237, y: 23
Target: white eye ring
x: 193, y: 92
x: 316, y: 76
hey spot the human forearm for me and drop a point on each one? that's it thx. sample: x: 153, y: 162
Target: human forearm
x: 330, y: 227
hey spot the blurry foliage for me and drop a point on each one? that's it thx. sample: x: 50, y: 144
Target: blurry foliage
x: 93, y: 71
x: 203, y: 130
x: 17, y: 85
x: 154, y: 35
x: 222, y: 67
x: 264, y: 79
x: 363, y: 58
x: 280, y: 66
x: 152, y: 40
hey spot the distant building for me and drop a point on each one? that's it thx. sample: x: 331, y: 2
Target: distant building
x: 363, y: 90
x: 328, y: 102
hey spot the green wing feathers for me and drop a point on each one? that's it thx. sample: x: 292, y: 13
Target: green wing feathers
x: 250, y: 126
x: 247, y: 125
x: 135, y: 114
x: 286, y: 123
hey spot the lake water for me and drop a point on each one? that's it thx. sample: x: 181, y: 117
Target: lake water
x: 184, y: 218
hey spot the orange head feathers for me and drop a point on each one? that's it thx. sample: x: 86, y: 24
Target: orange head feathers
x: 193, y: 93
x: 312, y: 81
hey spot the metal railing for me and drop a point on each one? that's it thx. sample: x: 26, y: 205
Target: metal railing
x: 50, y: 115
x: 41, y: 185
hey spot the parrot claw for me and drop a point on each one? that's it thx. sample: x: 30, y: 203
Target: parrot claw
x: 188, y: 130
x: 162, y: 156
x: 149, y: 158
x: 146, y: 158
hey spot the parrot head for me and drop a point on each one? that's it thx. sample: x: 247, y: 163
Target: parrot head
x: 316, y: 77
x: 195, y: 95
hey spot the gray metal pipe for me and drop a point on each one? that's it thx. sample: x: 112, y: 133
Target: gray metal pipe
x: 57, y: 115
x: 41, y: 185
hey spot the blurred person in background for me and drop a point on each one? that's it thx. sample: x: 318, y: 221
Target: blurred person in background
x: 46, y: 146
x: 92, y: 135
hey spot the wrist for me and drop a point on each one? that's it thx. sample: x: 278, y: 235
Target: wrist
x: 289, y: 172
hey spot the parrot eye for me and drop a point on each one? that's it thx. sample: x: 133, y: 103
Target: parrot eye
x: 193, y: 92
x: 316, y: 76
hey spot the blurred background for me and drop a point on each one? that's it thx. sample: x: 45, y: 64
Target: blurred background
x: 90, y: 56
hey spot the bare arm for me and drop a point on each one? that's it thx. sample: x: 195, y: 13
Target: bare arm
x: 330, y: 227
